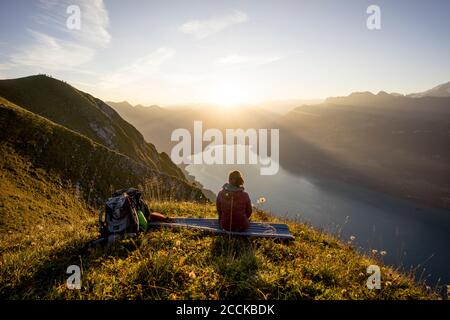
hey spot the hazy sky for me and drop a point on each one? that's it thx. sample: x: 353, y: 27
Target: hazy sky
x: 180, y: 52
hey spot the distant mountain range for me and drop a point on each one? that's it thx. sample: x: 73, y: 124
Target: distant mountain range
x: 442, y: 90
x: 395, y: 144
x: 388, y: 142
x: 392, y: 143
x: 64, y: 151
x: 157, y: 124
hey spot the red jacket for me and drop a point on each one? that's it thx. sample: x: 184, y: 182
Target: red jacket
x: 234, y: 208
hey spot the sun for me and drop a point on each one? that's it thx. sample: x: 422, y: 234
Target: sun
x: 227, y: 95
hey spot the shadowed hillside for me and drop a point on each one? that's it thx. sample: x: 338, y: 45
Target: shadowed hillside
x: 82, y: 162
x: 83, y: 113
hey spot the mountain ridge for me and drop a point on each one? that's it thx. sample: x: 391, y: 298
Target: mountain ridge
x: 441, y: 90
x: 52, y: 179
x: 80, y: 111
x: 387, y: 142
x: 94, y: 168
x: 394, y: 144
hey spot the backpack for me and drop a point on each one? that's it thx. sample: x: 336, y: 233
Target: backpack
x: 125, y: 213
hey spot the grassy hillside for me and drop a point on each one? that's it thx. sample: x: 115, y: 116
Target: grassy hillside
x: 45, y: 228
x: 52, y: 178
x: 80, y: 161
x: 83, y: 113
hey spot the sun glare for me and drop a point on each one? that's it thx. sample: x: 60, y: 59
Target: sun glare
x: 227, y: 95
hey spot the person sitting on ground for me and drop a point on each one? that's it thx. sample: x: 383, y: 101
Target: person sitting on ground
x: 233, y: 204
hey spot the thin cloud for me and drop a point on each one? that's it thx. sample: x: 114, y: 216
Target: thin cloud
x: 51, y: 53
x: 47, y: 52
x: 236, y: 59
x: 94, y: 20
x: 203, y: 28
x: 142, y: 68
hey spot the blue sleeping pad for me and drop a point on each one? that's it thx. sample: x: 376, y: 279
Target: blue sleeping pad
x: 256, y: 229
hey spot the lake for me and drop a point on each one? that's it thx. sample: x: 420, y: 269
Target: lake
x: 413, y: 236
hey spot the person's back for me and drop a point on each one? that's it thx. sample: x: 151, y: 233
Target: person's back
x: 233, y: 204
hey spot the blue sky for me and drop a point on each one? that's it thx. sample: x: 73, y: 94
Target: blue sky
x: 230, y: 52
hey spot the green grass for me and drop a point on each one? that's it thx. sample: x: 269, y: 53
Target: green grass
x: 96, y: 169
x: 46, y: 224
x: 76, y: 110
x: 44, y: 228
